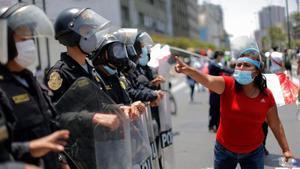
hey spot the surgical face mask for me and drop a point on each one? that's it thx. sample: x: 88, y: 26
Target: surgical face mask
x: 243, y: 77
x: 27, y: 53
x: 109, y: 70
x: 144, y: 57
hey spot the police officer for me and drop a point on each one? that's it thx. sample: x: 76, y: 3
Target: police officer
x: 113, y: 58
x: 82, y: 32
x: 135, y: 89
x: 30, y: 106
x: 37, y: 148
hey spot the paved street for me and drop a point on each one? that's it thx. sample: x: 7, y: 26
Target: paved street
x: 194, y: 144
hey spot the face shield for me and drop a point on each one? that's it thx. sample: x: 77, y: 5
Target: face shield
x: 92, y: 28
x: 88, y: 22
x: 245, y: 49
x: 29, y: 22
x: 128, y: 36
x: 145, y: 40
x: 3, y: 41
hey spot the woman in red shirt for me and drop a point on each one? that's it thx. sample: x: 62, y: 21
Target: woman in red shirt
x: 245, y: 104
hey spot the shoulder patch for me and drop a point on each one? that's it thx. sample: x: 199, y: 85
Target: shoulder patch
x: 55, y: 81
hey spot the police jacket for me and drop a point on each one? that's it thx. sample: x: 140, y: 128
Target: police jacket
x: 7, y: 148
x: 31, y: 110
x: 59, y: 79
x: 146, y: 76
x: 138, y: 91
x: 115, y: 88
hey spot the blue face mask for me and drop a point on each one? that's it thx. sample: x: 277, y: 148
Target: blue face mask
x: 243, y: 77
x: 144, y: 57
x: 109, y: 70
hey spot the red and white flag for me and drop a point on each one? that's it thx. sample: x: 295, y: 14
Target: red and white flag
x: 284, y: 89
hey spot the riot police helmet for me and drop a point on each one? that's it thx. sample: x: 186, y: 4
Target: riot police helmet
x: 81, y: 27
x: 24, y: 21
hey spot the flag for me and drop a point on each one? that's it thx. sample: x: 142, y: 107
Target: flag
x: 284, y: 89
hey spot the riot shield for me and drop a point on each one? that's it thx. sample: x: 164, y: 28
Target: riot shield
x: 140, y: 145
x: 166, y: 133
x: 93, y: 146
x: 152, y: 130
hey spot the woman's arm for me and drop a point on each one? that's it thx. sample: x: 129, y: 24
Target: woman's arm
x: 278, y: 131
x: 214, y: 83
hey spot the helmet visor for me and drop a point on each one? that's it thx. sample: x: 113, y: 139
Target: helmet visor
x: 88, y: 23
x: 30, y: 21
x: 126, y: 35
x: 146, y: 40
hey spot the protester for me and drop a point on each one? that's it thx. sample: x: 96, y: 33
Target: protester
x: 245, y: 104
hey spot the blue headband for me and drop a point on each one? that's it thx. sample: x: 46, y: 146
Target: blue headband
x: 246, y: 59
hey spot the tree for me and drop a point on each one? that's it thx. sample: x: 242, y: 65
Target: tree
x: 277, y: 36
x: 182, y: 42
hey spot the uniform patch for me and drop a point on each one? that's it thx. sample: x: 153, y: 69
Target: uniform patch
x: 83, y: 82
x: 21, y: 98
x: 3, y: 133
x: 123, y: 85
x: 55, y: 81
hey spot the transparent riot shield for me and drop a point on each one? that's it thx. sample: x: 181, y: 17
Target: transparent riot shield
x: 166, y: 133
x: 140, y: 145
x: 152, y: 135
x: 93, y: 146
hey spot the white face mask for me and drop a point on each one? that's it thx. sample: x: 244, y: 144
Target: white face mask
x: 27, y: 53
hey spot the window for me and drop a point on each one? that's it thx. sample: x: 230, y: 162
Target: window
x: 125, y: 15
x: 141, y: 18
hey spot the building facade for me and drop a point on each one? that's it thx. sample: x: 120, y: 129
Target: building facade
x: 185, y: 23
x: 148, y: 15
x: 211, y: 25
x: 272, y: 16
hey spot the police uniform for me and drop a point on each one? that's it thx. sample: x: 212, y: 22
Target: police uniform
x: 59, y: 79
x: 64, y: 73
x: 31, y: 110
x: 138, y: 91
x: 6, y: 121
x: 115, y: 88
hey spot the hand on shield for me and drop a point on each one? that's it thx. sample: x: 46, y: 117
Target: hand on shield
x: 53, y: 142
x: 160, y: 94
x: 158, y: 80
x: 140, y: 106
x: 108, y: 120
x: 131, y: 112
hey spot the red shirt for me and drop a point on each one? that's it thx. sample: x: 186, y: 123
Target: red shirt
x: 240, y: 129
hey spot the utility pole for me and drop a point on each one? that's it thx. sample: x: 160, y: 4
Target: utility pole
x: 298, y: 10
x: 288, y: 24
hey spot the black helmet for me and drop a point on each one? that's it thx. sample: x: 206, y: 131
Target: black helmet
x: 83, y: 28
x: 63, y: 33
x: 143, y: 39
